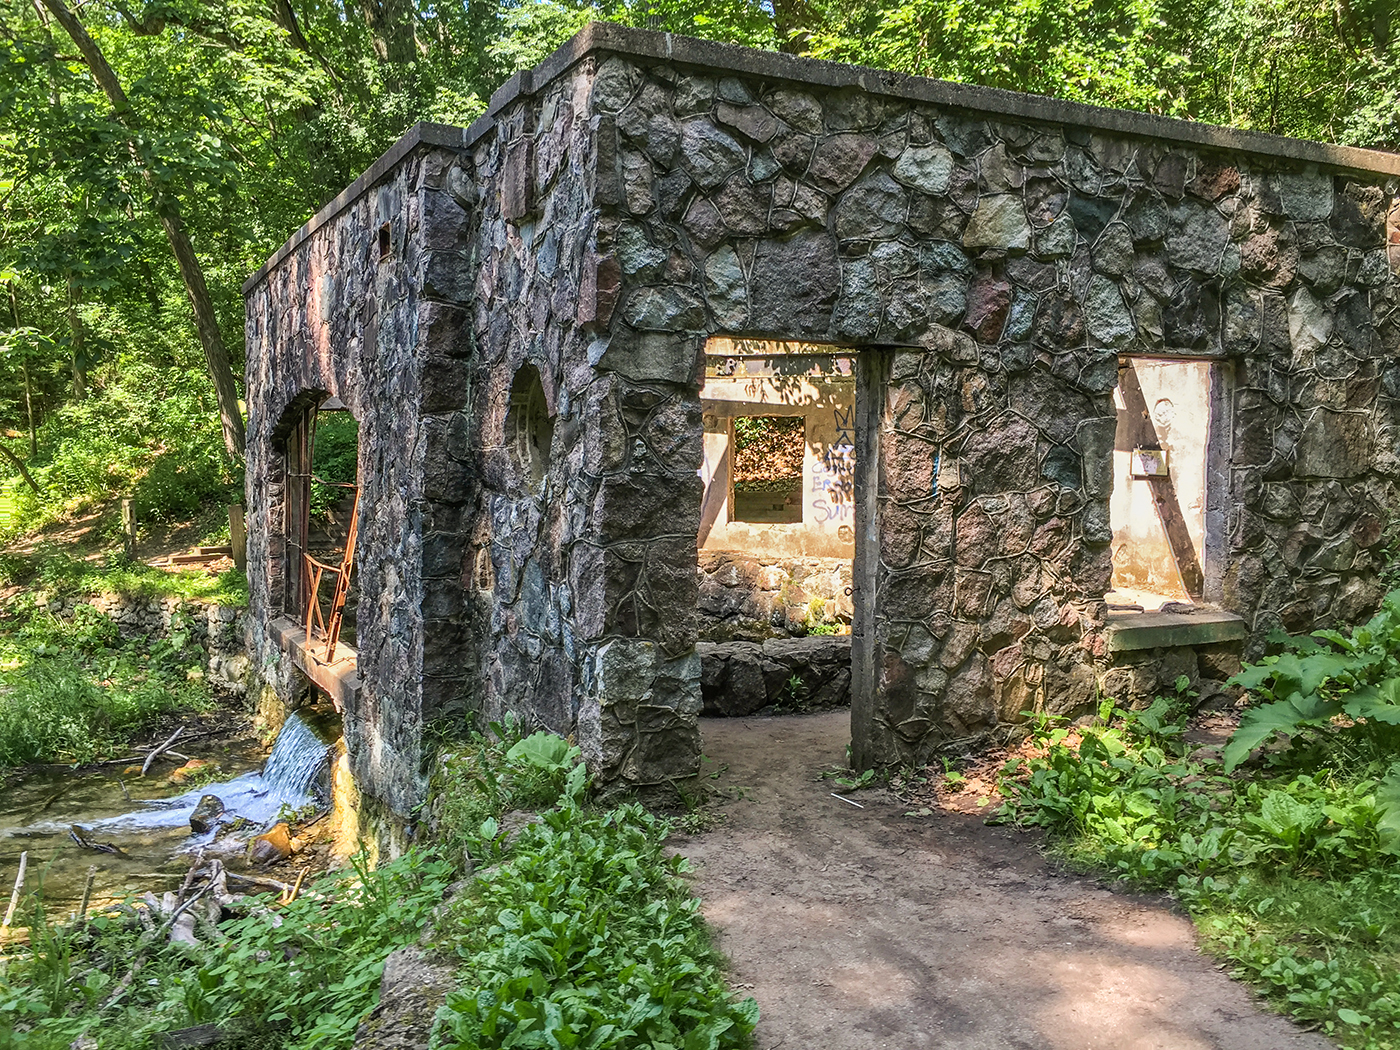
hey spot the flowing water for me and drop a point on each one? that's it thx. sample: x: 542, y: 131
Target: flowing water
x: 152, y: 828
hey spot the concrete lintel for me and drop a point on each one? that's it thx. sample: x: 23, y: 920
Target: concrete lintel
x: 339, y: 679
x: 1128, y: 631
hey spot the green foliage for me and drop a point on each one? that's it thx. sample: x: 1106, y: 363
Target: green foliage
x: 1315, y: 683
x: 1266, y: 865
x: 489, y: 774
x: 586, y: 937
x: 1311, y: 70
x: 335, y: 460
x: 152, y: 435
x: 54, y: 573
x: 73, y: 692
x: 1321, y: 950
x: 300, y: 977
x: 580, y: 933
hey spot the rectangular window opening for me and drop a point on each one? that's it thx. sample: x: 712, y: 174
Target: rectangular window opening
x: 767, y: 472
x: 1161, y: 463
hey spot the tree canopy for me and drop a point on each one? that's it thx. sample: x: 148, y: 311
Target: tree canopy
x: 243, y: 117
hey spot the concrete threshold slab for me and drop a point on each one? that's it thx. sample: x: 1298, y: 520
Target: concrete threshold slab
x: 338, y: 677
x: 1128, y: 631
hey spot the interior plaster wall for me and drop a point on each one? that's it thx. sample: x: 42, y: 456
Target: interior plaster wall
x: 827, y: 405
x: 1178, y: 397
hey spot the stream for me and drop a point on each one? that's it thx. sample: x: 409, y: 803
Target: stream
x: 151, y: 831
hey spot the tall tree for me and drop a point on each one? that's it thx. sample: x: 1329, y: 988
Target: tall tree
x: 167, y: 209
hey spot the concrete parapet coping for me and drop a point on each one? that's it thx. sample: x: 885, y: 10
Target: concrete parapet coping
x: 1130, y: 631
x: 609, y: 38
x: 421, y: 134
x: 339, y: 679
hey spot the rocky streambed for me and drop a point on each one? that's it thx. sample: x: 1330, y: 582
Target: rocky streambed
x: 140, y: 833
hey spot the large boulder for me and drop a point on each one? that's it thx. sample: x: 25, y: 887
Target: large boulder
x: 415, y: 984
x: 800, y: 674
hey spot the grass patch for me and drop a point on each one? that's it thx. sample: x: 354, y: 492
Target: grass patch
x: 59, y: 574
x: 72, y: 691
x: 574, y: 931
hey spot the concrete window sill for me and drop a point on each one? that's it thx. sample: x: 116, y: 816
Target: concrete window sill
x: 1128, y: 631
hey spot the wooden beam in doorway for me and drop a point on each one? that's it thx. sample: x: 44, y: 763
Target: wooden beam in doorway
x: 1143, y: 434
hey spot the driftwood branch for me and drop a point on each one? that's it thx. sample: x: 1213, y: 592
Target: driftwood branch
x: 19, y: 889
x: 296, y: 886
x: 87, y: 893
x: 156, y: 753
x: 259, y: 883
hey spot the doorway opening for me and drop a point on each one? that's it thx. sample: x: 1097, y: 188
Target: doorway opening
x: 777, y: 525
x: 322, y: 505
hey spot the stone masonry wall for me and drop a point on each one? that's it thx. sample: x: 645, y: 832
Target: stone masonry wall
x: 217, y: 629
x: 1017, y: 259
x: 583, y: 585
x: 336, y: 318
x: 753, y: 597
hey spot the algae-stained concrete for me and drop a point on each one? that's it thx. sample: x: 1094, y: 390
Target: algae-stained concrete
x: 986, y: 257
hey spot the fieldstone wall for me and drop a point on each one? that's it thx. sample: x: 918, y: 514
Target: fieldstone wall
x: 583, y: 589
x: 374, y: 325
x: 779, y: 675
x: 752, y: 597
x: 217, y: 629
x: 1017, y: 259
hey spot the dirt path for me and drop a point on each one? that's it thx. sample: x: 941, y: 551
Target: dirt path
x: 863, y: 928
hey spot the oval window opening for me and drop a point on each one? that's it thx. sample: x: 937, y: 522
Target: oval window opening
x: 529, y: 428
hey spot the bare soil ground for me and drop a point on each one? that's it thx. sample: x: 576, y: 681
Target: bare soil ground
x: 864, y: 928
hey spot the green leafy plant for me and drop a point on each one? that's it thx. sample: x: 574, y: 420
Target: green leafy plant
x: 585, y: 936
x: 1288, y: 872
x: 1319, y: 680
x: 72, y: 690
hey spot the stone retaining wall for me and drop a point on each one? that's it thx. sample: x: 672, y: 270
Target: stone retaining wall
x: 217, y: 629
x: 751, y: 597
x: 786, y: 674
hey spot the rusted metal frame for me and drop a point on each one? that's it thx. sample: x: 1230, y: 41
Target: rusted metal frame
x: 317, y: 570
x: 1164, y: 495
x: 310, y: 570
x: 342, y: 581
x: 314, y: 570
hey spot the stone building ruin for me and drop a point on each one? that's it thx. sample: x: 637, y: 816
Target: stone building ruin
x: 517, y: 315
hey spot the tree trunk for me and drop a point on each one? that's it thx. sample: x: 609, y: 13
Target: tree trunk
x: 29, y: 412
x: 23, y: 470
x: 24, y: 371
x: 168, y: 211
x: 75, y: 342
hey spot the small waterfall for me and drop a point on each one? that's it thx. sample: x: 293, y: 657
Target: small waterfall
x: 297, y: 759
x: 288, y: 779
